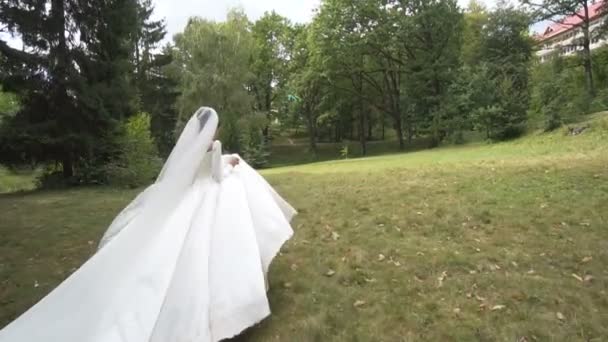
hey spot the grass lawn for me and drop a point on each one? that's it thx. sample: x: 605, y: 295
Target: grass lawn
x: 505, y: 242
x: 11, y: 181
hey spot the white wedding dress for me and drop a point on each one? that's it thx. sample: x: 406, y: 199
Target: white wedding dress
x: 186, y: 261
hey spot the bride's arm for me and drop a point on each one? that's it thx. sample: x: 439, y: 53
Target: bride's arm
x: 219, y: 162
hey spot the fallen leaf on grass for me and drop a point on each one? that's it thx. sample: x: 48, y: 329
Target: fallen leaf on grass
x: 519, y: 296
x: 498, y: 307
x: 494, y: 267
x: 560, y: 316
x: 587, y: 259
x: 577, y: 277
x: 359, y: 303
x: 441, y: 278
x: 294, y: 267
x: 381, y: 257
x: 456, y: 311
x: 335, y: 236
x: 481, y: 299
x: 330, y: 273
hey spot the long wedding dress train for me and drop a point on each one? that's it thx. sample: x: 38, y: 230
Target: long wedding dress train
x: 176, y: 265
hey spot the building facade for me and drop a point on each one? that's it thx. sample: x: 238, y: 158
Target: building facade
x: 565, y: 37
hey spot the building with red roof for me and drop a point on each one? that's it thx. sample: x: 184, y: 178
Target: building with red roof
x: 565, y: 37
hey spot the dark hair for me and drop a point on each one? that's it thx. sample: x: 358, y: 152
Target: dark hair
x: 203, y: 117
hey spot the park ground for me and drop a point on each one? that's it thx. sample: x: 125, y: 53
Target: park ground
x: 482, y: 242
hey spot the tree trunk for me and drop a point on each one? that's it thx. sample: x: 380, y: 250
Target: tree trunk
x: 383, y: 124
x: 370, y: 125
x: 587, y: 63
x: 410, y: 127
x: 60, y: 61
x: 362, y: 138
x: 399, y: 129
x: 67, y: 166
x: 337, y: 133
x: 312, y: 132
x: 267, y: 104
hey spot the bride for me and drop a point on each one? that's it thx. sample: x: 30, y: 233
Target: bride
x: 186, y: 261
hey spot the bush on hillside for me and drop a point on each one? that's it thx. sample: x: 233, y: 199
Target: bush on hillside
x: 253, y: 145
x: 137, y: 162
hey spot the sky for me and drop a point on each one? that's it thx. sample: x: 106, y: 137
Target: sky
x: 177, y: 12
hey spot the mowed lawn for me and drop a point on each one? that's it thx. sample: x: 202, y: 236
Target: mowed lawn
x: 503, y: 242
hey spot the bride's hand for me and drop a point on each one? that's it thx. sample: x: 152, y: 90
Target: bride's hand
x: 234, y: 161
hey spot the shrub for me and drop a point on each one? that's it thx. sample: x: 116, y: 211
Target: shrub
x: 137, y: 162
x: 253, y: 144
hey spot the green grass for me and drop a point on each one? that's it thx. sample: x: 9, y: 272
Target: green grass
x: 474, y: 243
x: 11, y: 181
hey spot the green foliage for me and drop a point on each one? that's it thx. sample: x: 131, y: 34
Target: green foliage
x: 71, y: 77
x: 272, y: 39
x: 9, y: 105
x: 558, y: 90
x: 137, y: 162
x: 211, y: 60
x: 475, y: 18
x: 153, y: 78
x: 507, y: 71
x: 344, y: 152
x: 253, y: 145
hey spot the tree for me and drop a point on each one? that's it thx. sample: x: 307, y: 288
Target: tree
x: 269, y: 62
x: 307, y: 82
x: 211, y: 60
x: 153, y: 79
x: 506, y: 50
x: 475, y: 18
x: 555, y: 10
x: 9, y: 105
x: 341, y: 40
x: 432, y: 39
x: 72, y: 78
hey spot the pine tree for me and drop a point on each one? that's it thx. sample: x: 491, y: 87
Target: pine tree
x: 72, y: 78
x: 156, y: 88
